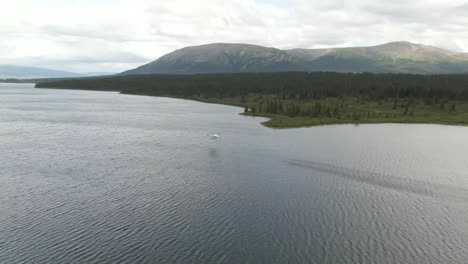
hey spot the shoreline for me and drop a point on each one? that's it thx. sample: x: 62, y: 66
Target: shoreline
x: 281, y: 121
x: 270, y: 123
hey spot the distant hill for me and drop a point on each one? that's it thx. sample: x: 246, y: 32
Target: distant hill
x: 21, y: 72
x: 394, y: 57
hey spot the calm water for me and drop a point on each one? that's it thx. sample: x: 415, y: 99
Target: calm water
x: 95, y: 177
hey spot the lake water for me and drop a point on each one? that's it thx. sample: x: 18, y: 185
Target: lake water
x: 99, y: 177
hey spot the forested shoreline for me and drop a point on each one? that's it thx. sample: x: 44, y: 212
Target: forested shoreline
x: 296, y: 99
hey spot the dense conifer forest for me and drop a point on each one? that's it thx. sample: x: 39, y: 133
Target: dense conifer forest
x: 301, y: 99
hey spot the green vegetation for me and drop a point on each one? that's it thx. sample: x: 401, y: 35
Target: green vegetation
x: 306, y: 99
x: 292, y: 113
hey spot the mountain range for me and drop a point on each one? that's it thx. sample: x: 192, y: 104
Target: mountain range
x: 393, y: 57
x: 22, y: 72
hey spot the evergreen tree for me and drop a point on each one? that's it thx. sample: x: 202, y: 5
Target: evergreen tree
x: 395, y: 104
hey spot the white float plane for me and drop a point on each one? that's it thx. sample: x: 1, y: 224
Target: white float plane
x: 214, y: 136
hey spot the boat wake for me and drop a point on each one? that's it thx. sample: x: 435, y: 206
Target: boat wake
x: 388, y: 181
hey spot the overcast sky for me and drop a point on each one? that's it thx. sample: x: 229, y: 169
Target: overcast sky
x: 115, y: 35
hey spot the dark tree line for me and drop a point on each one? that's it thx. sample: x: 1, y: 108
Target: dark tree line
x: 318, y: 95
x: 286, y: 86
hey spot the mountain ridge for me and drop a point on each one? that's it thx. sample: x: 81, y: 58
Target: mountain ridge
x: 392, y: 57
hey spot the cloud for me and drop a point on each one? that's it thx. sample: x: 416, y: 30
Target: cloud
x: 115, y: 35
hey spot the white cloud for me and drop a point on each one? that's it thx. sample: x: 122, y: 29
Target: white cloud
x: 114, y: 35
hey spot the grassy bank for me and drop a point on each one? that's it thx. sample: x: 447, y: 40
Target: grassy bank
x: 302, y: 99
x: 349, y: 111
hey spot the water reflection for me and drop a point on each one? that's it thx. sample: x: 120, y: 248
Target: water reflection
x: 213, y: 153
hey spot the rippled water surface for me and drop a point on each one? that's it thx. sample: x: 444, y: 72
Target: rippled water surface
x: 95, y: 177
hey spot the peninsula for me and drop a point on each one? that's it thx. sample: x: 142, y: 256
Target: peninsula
x: 298, y: 99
